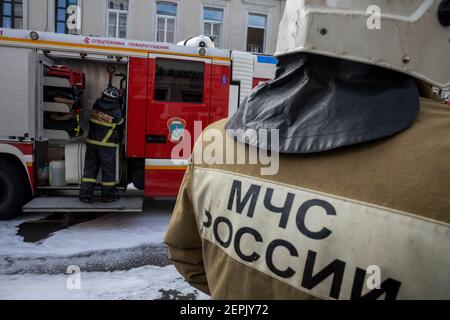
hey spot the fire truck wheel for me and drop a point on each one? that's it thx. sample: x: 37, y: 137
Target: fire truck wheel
x: 12, y: 190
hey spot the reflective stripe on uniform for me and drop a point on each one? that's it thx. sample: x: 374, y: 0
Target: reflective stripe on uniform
x: 120, y: 122
x: 101, y: 143
x: 109, y: 184
x: 108, y: 135
x: 88, y: 180
x: 102, y: 123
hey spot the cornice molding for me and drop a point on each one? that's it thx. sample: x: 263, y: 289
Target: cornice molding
x: 258, y: 3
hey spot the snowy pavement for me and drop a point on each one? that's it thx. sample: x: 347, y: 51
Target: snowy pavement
x: 112, y: 231
x: 145, y: 283
x: 120, y: 256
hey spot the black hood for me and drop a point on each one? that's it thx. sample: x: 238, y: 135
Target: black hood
x: 321, y: 103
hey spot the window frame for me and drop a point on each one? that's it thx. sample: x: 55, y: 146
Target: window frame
x: 67, y: 4
x: 117, y: 13
x: 215, y: 22
x: 13, y: 16
x: 186, y: 103
x: 166, y: 17
x: 257, y: 27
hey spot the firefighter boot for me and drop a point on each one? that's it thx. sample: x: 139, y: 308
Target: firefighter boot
x: 109, y: 194
x: 87, y: 192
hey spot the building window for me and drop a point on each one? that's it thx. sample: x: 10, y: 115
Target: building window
x: 212, y: 20
x: 179, y: 81
x: 256, y: 32
x: 166, y: 15
x: 11, y: 14
x: 62, y: 16
x: 117, y: 18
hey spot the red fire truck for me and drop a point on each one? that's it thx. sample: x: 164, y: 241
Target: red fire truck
x: 49, y: 83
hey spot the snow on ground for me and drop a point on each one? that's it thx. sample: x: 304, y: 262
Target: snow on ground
x: 121, y: 256
x: 149, y: 282
x: 113, y: 231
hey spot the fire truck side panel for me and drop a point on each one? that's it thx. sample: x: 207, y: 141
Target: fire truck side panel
x: 137, y: 107
x: 164, y: 181
x: 163, y: 177
x: 16, y: 93
x: 160, y: 113
x: 17, y: 103
x: 220, y: 90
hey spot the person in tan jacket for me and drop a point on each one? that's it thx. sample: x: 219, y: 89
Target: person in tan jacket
x: 358, y: 205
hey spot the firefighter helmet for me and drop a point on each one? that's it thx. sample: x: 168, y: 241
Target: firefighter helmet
x: 111, y: 95
x: 407, y: 36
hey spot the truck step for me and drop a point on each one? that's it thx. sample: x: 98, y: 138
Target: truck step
x: 73, y: 187
x: 73, y: 205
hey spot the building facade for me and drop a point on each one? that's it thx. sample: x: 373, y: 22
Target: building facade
x: 246, y: 25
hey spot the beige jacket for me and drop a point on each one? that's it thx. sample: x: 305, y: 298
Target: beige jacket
x: 367, y: 221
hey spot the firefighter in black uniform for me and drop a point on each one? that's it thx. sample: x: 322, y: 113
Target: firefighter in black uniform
x: 102, y: 144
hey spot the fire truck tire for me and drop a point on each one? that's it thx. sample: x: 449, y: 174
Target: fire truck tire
x: 13, y: 190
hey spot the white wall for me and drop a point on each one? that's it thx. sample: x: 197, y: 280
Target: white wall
x: 142, y: 13
x: 92, y: 21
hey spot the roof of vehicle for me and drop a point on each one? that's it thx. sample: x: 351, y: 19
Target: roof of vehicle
x: 103, y: 45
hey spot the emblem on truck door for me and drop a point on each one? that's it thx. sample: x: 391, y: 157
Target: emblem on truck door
x: 176, y: 129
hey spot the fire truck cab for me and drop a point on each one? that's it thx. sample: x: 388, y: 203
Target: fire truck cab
x: 49, y: 83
